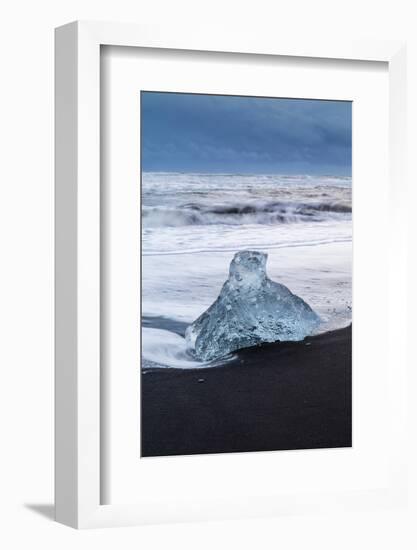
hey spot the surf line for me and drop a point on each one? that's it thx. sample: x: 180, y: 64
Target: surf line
x: 233, y: 249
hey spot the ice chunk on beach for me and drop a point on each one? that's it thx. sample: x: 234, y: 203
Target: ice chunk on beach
x: 250, y: 309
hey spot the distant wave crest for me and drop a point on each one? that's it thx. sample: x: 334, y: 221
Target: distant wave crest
x: 265, y: 213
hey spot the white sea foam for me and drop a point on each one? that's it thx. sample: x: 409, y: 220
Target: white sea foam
x: 165, y: 349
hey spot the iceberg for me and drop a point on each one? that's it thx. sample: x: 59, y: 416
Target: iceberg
x: 251, y: 309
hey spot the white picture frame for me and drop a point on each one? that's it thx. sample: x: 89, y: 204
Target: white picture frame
x: 78, y: 405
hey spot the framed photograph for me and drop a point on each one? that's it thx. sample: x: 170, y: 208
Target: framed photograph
x: 230, y: 275
x: 239, y: 195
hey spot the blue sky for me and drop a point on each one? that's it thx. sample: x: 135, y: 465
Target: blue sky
x: 232, y: 134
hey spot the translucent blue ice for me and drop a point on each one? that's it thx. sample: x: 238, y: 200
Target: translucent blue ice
x: 250, y: 309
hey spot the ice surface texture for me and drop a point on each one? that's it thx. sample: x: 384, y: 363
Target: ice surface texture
x: 250, y: 309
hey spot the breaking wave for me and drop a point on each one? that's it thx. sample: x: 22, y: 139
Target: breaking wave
x: 265, y: 213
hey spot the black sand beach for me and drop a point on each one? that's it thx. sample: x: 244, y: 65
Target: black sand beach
x: 293, y: 395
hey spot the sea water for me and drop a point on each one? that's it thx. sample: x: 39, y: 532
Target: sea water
x: 193, y: 224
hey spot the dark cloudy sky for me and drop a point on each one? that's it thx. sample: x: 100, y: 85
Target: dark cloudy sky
x: 206, y: 133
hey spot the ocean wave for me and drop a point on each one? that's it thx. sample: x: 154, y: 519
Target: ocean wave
x: 265, y: 213
x: 164, y: 180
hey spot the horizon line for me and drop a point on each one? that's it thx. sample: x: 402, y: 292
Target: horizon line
x: 220, y: 173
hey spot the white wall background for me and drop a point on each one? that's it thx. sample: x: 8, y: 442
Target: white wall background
x: 26, y: 268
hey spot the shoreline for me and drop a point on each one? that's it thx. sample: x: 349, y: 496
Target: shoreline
x: 280, y: 396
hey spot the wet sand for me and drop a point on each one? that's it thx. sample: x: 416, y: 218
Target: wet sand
x: 292, y: 395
